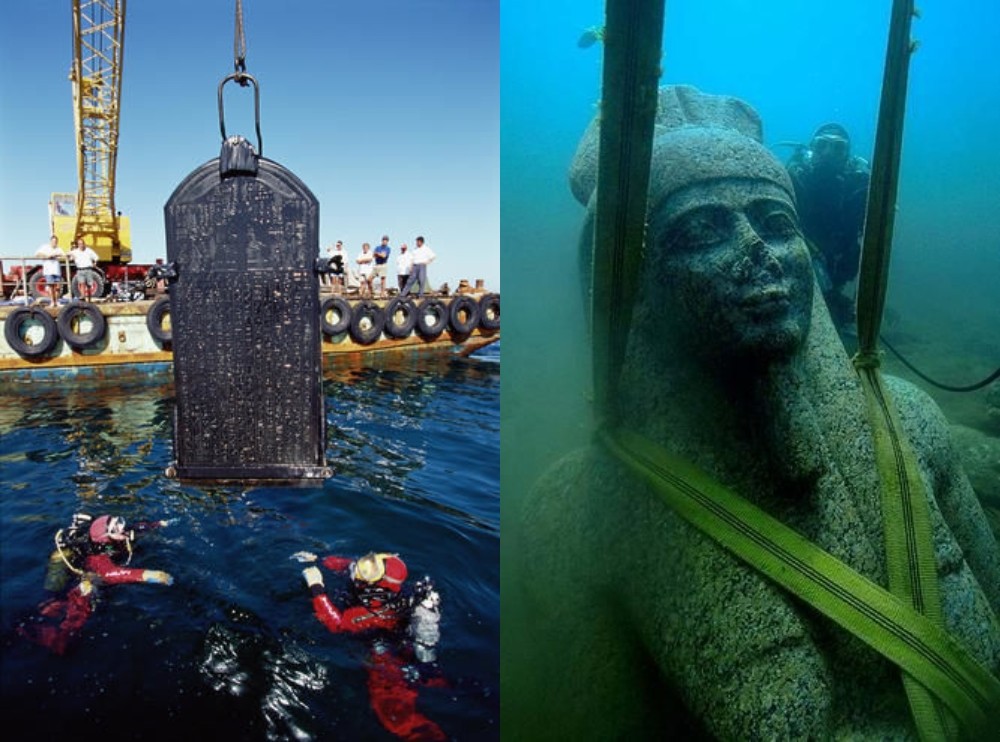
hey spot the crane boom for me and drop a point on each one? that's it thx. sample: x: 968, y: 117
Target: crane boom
x: 96, y: 77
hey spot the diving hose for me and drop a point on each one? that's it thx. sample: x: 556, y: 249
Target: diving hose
x: 946, y: 387
x: 62, y: 555
x: 904, y: 623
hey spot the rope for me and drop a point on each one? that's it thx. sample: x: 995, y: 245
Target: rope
x: 888, y: 624
x: 970, y: 388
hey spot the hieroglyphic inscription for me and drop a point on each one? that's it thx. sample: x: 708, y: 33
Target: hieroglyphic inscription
x: 245, y: 317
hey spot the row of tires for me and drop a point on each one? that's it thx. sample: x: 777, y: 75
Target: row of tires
x: 366, y: 320
x: 31, y: 332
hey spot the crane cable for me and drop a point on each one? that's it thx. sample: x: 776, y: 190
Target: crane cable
x: 240, y: 46
x: 244, y: 79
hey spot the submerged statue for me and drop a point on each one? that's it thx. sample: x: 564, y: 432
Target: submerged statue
x: 646, y: 626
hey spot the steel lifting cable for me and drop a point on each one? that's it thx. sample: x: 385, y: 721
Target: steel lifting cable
x: 242, y: 77
x: 240, y: 46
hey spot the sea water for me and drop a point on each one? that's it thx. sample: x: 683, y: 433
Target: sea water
x: 232, y: 648
x: 799, y: 65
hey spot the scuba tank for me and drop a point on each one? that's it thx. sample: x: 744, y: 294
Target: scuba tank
x: 425, y: 619
x: 72, y: 545
x: 56, y: 574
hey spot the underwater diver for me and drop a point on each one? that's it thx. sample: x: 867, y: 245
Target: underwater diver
x: 97, y: 551
x: 379, y: 605
x: 831, y: 191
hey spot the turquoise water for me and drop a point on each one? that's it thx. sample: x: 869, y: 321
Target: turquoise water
x: 232, y: 648
x: 799, y: 65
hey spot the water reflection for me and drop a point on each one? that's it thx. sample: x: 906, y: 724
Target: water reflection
x: 232, y: 648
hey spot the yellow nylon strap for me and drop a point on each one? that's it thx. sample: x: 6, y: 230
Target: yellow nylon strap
x: 633, y: 40
x: 890, y: 626
x: 909, y: 543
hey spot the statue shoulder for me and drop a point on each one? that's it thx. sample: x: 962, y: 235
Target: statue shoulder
x: 933, y: 441
x: 562, y: 491
x: 927, y: 430
x: 920, y: 416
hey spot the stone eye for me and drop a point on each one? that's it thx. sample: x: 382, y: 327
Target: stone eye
x: 778, y: 223
x: 701, y: 229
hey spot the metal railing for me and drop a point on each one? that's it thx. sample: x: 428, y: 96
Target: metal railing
x: 18, y: 282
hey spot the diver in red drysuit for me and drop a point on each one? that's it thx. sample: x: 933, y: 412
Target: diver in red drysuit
x: 377, y: 580
x: 92, y: 549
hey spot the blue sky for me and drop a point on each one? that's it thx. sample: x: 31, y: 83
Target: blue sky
x: 387, y: 109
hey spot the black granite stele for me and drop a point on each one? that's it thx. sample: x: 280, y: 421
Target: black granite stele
x: 242, y: 236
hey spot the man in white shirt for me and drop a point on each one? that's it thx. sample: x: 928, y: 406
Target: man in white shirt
x: 337, y: 258
x: 422, y: 257
x: 51, y: 268
x: 366, y: 265
x: 83, y: 256
x: 404, y: 264
x: 86, y: 282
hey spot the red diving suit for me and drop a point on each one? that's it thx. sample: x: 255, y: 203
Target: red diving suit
x: 94, y: 558
x: 378, y: 581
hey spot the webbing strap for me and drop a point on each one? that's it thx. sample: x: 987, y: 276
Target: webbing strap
x: 909, y: 543
x: 877, y: 241
x: 633, y: 39
x: 908, y: 540
x: 887, y: 624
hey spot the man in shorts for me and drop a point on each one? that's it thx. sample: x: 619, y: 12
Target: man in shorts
x: 50, y: 269
x: 382, y: 264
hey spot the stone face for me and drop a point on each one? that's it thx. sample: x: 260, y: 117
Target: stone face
x: 643, y: 625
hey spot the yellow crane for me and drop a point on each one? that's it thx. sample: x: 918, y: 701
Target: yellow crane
x: 96, y: 77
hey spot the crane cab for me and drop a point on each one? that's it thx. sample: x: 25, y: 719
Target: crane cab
x: 63, y: 220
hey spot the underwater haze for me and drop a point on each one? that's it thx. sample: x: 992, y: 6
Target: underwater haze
x: 800, y: 65
x: 232, y: 650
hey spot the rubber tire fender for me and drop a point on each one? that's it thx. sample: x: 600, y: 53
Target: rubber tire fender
x: 471, y: 308
x: 374, y: 314
x: 12, y: 332
x: 78, y: 280
x: 341, y: 305
x: 437, y: 309
x: 154, y: 320
x: 81, y: 340
x: 409, y: 310
x: 489, y: 312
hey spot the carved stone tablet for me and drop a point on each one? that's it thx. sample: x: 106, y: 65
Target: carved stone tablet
x: 244, y: 307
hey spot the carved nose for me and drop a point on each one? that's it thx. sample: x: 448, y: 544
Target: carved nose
x: 755, y: 253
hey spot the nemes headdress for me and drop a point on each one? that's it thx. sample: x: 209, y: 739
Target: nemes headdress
x: 697, y: 137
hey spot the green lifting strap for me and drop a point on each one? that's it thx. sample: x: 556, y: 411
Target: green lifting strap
x: 633, y: 40
x: 927, y: 653
x: 909, y: 544
x: 877, y: 241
